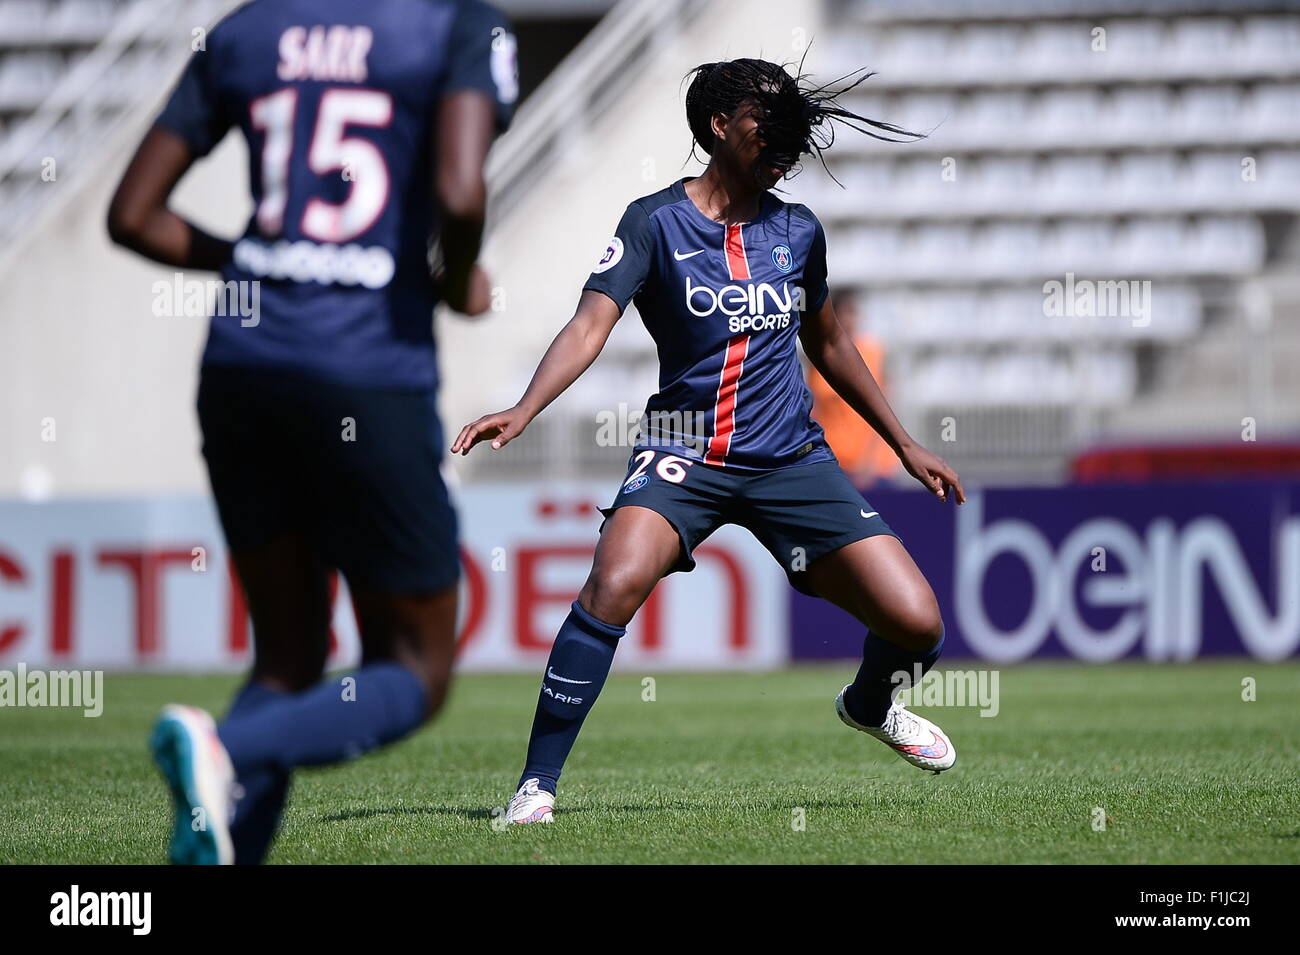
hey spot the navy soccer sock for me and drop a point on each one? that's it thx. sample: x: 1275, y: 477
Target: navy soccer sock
x: 257, y: 812
x: 575, y: 672
x: 868, y: 698
x: 335, y: 720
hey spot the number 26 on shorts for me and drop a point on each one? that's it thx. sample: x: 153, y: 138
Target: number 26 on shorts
x: 670, y: 467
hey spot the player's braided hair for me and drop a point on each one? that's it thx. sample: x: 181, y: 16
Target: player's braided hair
x: 794, y: 117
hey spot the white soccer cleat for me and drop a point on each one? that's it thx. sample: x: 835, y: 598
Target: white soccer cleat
x: 912, y: 737
x: 530, y: 805
x: 198, y: 772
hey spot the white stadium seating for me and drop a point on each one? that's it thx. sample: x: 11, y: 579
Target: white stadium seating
x: 1106, y: 140
x: 1146, y: 141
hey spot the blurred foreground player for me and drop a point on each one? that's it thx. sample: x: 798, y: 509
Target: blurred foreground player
x: 728, y: 279
x: 367, y: 127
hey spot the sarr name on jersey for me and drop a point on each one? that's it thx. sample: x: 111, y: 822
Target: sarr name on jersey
x: 334, y: 54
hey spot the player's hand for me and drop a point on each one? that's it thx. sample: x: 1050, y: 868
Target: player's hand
x: 934, y: 472
x: 476, y: 298
x: 499, y: 428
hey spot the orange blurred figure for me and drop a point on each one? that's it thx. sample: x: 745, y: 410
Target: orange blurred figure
x: 864, y: 456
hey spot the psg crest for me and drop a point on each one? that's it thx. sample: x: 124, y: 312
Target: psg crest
x: 783, y: 258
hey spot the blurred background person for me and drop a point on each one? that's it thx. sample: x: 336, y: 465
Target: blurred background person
x: 864, y: 456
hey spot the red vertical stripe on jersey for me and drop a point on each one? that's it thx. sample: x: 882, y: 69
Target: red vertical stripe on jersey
x: 724, y: 409
x: 734, y: 244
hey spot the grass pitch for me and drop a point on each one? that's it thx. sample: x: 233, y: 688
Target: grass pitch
x: 728, y: 768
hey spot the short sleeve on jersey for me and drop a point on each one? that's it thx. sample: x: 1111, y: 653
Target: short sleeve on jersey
x: 194, y: 110
x: 622, y: 270
x: 814, y: 272
x: 482, y: 55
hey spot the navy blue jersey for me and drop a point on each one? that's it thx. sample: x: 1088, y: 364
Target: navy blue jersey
x: 338, y: 101
x: 723, y: 303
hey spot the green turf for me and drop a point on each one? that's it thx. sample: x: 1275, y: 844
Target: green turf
x: 716, y: 768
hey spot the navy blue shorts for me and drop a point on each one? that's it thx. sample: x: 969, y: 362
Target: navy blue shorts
x: 798, y: 513
x: 354, y: 469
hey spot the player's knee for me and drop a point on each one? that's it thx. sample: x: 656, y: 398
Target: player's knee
x: 614, y: 594
x: 429, y: 660
x: 286, y: 680
x: 435, y: 677
x: 915, y: 626
x: 293, y: 666
x: 419, y: 633
x: 437, y: 688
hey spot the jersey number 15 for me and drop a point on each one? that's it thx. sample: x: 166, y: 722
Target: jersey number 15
x: 358, y: 161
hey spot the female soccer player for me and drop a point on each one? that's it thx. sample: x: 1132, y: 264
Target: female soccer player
x: 367, y: 127
x: 725, y: 275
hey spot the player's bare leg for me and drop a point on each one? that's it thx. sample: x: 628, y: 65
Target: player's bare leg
x: 416, y: 630
x: 637, y: 547
x: 408, y: 645
x: 877, y: 581
x: 286, y: 588
x: 287, y: 591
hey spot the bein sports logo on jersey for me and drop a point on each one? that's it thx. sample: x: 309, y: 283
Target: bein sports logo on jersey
x: 783, y: 258
x: 613, y: 252
x: 755, y: 306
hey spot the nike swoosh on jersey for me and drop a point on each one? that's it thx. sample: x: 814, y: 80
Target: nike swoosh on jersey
x: 551, y: 674
x: 680, y: 257
x: 865, y: 514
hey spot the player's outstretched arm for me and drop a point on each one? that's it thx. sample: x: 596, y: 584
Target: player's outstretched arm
x: 831, y: 350
x: 570, y: 354
x: 138, y: 217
